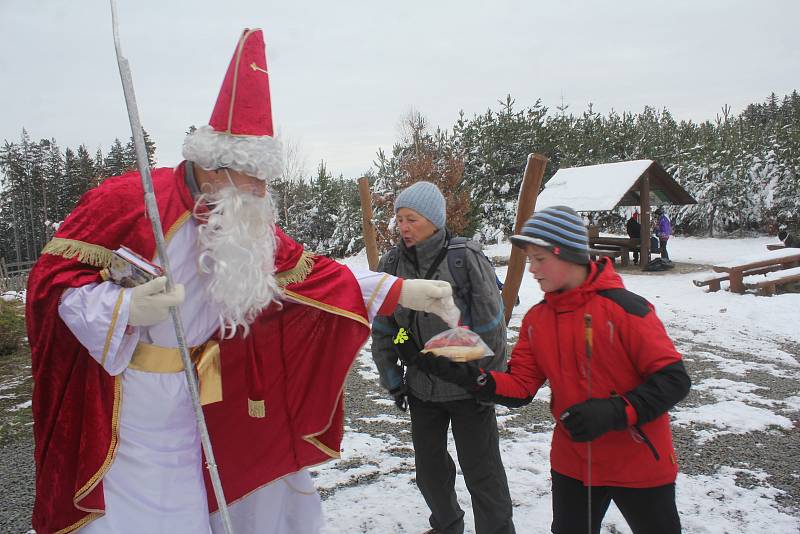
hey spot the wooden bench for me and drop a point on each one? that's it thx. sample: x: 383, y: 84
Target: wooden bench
x: 713, y: 280
x: 773, y: 260
x: 775, y: 246
x: 624, y: 244
x: 594, y: 253
x: 768, y: 283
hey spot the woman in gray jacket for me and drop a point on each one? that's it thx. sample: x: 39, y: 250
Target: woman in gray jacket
x: 435, y: 404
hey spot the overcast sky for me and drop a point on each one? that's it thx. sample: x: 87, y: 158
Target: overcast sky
x: 344, y: 73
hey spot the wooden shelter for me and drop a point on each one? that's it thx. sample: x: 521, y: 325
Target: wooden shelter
x: 642, y: 183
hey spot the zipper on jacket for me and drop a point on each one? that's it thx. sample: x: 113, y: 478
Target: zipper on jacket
x: 639, y: 433
x: 647, y: 441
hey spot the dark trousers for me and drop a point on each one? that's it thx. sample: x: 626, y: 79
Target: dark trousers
x: 477, y: 444
x: 647, y: 510
x: 662, y: 245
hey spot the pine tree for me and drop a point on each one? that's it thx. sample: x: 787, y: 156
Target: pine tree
x: 117, y: 161
x: 130, y: 152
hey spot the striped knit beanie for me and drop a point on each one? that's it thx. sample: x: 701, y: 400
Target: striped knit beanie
x: 558, y: 229
x: 426, y: 199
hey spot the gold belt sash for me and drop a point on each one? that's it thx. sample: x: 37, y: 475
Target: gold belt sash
x: 155, y: 359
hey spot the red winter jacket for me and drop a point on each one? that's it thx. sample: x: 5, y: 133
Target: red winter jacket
x: 629, y: 344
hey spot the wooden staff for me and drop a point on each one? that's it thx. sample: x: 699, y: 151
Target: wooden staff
x: 161, y: 247
x: 528, y: 191
x: 369, y: 227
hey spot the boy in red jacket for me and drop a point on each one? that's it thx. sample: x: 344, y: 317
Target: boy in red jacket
x: 613, y: 373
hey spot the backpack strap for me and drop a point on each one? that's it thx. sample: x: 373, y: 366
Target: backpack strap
x: 457, y: 265
x: 391, y: 261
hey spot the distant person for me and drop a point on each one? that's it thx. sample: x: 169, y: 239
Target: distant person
x: 788, y: 240
x: 663, y: 230
x: 634, y: 230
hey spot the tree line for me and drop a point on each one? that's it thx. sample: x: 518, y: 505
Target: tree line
x: 743, y: 169
x: 40, y: 185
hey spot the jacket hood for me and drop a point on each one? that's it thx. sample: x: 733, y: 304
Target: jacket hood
x: 602, y: 276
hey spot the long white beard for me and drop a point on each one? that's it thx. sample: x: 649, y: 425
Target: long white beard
x: 237, y: 248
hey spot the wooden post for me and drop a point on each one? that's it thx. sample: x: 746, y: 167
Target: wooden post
x: 370, y: 242
x: 528, y: 191
x: 644, y: 196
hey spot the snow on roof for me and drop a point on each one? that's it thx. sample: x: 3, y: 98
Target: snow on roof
x: 592, y: 188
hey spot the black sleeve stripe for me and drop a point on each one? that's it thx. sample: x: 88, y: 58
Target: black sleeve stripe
x: 511, y: 402
x: 628, y: 301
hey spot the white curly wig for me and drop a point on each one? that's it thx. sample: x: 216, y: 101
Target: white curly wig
x: 257, y: 156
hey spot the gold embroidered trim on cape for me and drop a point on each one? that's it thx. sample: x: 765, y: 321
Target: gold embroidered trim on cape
x: 299, y: 272
x: 327, y: 307
x: 312, y: 438
x: 112, y: 448
x: 179, y: 222
x: 112, y: 326
x: 324, y: 448
x: 94, y: 255
x: 80, y: 523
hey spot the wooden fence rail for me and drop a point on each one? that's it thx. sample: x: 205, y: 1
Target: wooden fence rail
x: 14, y: 276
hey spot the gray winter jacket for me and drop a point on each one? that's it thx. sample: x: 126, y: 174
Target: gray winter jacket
x: 487, y: 318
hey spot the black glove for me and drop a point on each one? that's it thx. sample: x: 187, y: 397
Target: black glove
x: 400, y: 396
x: 591, y: 419
x: 407, y: 350
x: 474, y: 379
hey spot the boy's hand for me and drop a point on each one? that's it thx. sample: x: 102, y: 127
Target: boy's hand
x: 475, y: 380
x: 591, y: 419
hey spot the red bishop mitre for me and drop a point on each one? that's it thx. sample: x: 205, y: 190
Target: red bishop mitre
x: 243, y: 105
x: 240, y: 135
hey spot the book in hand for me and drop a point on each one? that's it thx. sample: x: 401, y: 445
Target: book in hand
x: 128, y: 269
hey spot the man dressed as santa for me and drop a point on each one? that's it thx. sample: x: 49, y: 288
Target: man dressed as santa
x: 117, y: 446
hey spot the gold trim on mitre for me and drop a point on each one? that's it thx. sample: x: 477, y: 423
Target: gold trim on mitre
x: 87, y: 253
x: 299, y: 272
x: 239, y: 49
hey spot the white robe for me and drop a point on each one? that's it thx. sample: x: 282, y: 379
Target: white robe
x: 155, y: 483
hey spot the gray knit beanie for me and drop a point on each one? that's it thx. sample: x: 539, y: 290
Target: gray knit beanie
x: 558, y: 229
x: 426, y: 199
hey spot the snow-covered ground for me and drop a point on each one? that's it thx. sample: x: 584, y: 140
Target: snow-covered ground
x: 743, y: 354
x: 736, y: 434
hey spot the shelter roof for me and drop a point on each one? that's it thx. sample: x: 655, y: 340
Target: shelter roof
x: 609, y: 185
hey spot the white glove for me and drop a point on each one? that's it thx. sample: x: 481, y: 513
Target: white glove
x: 432, y: 296
x: 150, y: 304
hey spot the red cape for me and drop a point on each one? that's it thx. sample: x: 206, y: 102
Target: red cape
x: 76, y: 403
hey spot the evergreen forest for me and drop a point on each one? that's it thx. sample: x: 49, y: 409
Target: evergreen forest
x: 743, y: 169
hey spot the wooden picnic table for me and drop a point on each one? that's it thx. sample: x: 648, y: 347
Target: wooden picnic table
x: 775, y: 259
x: 625, y: 245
